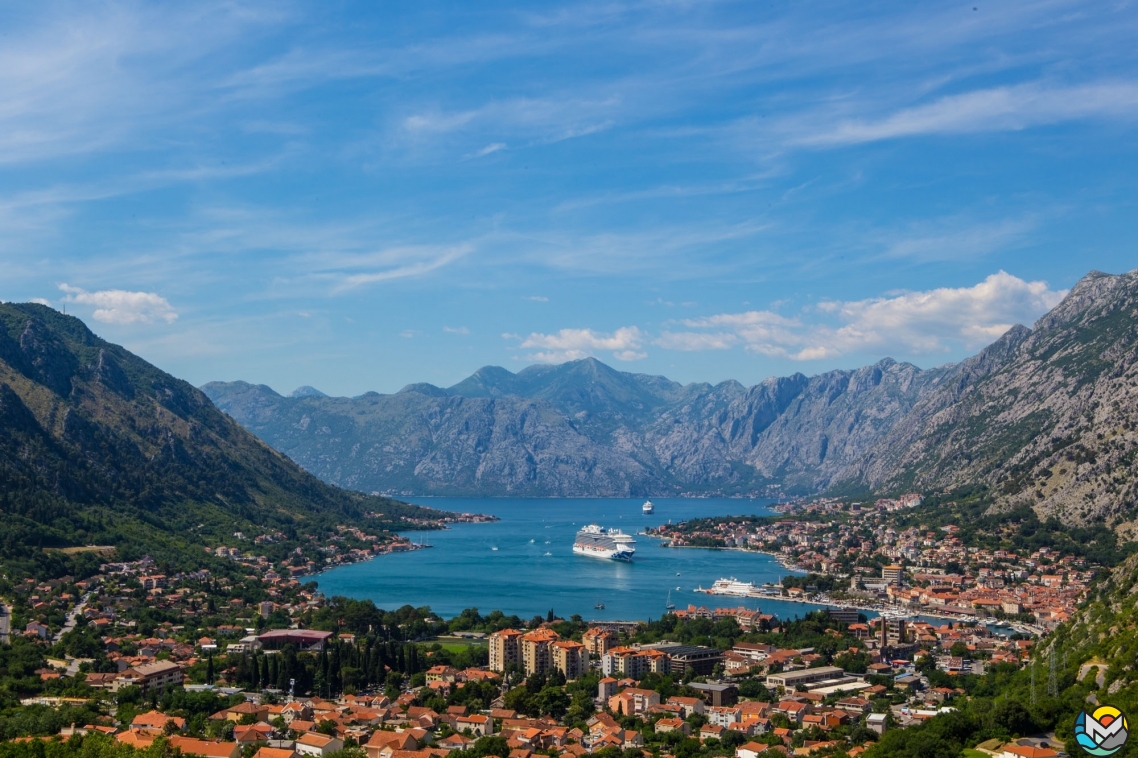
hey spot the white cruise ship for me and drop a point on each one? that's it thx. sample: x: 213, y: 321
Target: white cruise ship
x: 598, y: 542
x: 647, y: 508
x: 732, y: 586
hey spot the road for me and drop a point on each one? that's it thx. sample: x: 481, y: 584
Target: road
x: 72, y: 617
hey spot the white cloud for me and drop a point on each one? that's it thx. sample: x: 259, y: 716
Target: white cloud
x: 694, y: 341
x: 122, y: 306
x: 409, y: 333
x: 574, y: 344
x: 456, y: 330
x: 988, y: 110
x: 538, y: 298
x: 911, y: 323
x: 41, y: 301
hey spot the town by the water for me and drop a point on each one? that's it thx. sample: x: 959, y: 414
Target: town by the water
x: 254, y: 661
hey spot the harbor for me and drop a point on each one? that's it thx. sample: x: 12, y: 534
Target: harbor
x: 519, y: 578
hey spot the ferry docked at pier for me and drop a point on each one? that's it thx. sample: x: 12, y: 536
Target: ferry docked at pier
x: 599, y: 542
x: 732, y: 586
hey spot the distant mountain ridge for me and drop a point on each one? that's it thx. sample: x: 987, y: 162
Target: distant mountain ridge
x: 1045, y: 415
x: 584, y: 429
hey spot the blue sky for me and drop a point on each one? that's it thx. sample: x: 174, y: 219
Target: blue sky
x: 358, y: 196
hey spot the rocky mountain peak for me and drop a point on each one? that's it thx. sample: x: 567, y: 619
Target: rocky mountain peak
x: 307, y: 391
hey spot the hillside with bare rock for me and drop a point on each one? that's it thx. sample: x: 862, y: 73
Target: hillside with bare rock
x: 1045, y: 416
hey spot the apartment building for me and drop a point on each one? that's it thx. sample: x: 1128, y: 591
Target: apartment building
x: 633, y: 702
x: 505, y: 649
x: 634, y: 662
x: 537, y: 650
x: 150, y: 676
x: 570, y: 658
x: 599, y: 641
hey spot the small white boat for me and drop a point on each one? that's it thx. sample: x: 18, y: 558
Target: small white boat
x: 494, y: 548
x: 548, y: 553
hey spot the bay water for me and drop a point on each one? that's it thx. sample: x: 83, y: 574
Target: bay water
x: 524, y: 564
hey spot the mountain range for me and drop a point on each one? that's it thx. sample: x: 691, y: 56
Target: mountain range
x: 98, y: 447
x: 1045, y: 415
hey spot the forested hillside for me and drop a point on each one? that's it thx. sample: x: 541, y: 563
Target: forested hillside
x: 100, y: 448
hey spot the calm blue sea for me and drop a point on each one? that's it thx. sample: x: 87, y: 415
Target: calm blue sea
x: 534, y: 568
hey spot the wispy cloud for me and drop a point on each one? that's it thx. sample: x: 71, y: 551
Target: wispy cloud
x: 338, y: 256
x: 957, y: 238
x: 493, y: 147
x: 122, y: 306
x: 429, y: 123
x: 1009, y: 108
x: 348, y: 272
x: 529, y: 120
x: 92, y: 78
x: 456, y: 330
x: 672, y: 251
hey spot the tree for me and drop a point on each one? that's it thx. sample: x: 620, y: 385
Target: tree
x: 520, y: 699
x: 1013, y: 718
x: 492, y: 744
x: 732, y: 738
x: 553, y: 701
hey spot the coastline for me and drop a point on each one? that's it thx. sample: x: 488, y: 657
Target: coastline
x: 826, y: 601
x: 780, y: 558
x: 520, y: 577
